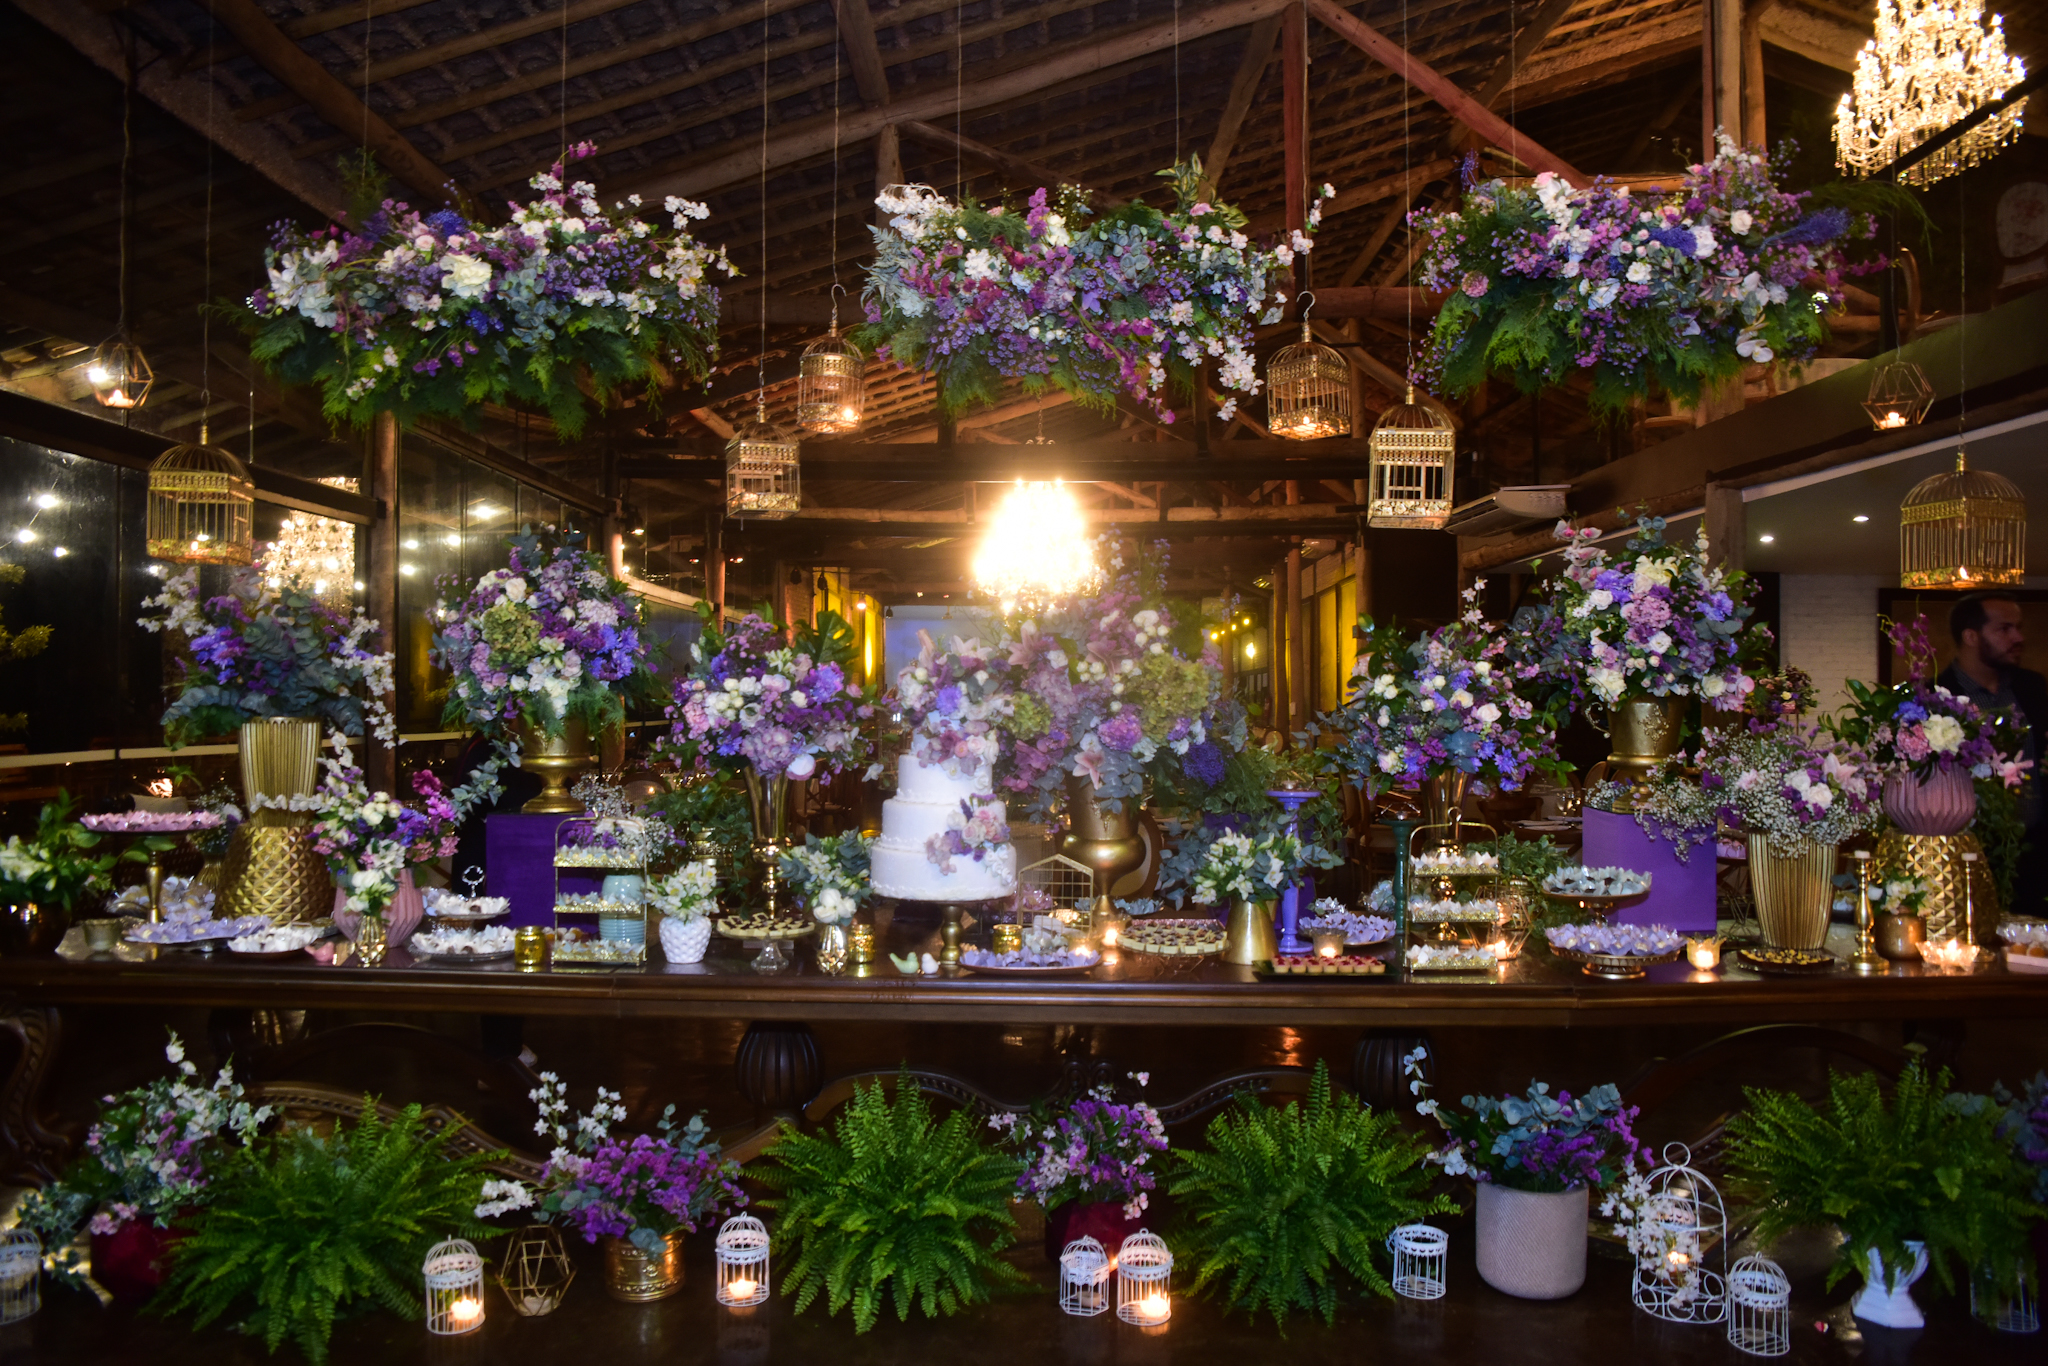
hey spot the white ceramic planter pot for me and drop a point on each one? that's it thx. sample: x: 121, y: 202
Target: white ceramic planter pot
x: 1887, y: 1294
x: 1532, y: 1244
x: 684, y: 941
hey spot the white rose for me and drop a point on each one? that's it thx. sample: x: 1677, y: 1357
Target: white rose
x: 465, y: 276
x: 1944, y: 734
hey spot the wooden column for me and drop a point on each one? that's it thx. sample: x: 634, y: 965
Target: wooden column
x: 1297, y: 637
x: 1294, y: 114
x: 888, y: 166
x: 714, y: 561
x: 1276, y: 652
x: 380, y: 761
x: 1726, y: 36
x: 1226, y: 644
x: 1727, y: 521
x: 1753, y: 129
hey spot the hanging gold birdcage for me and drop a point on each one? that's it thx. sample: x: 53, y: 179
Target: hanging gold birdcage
x: 1964, y: 529
x: 119, y: 374
x: 1308, y: 391
x: 761, y: 473
x: 1413, y: 447
x: 830, y: 385
x: 201, y: 506
x: 1899, y: 396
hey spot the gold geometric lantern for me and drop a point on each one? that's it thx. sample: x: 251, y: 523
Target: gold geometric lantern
x: 201, y: 505
x: 1308, y: 391
x: 120, y: 375
x: 1899, y: 396
x: 761, y: 474
x: 536, y: 1272
x: 829, y: 387
x: 1413, y: 447
x: 1967, y: 529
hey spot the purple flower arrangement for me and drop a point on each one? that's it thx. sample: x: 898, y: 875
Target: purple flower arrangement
x: 1534, y: 1142
x: 1119, y: 304
x: 1093, y: 1149
x: 1790, y: 782
x: 1658, y: 622
x: 432, y: 314
x: 369, y: 839
x: 550, y: 637
x: 1675, y: 290
x: 268, y: 648
x: 782, y: 708
x: 1920, y: 728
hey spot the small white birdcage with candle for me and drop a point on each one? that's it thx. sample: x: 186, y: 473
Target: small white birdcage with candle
x: 1420, y: 1256
x: 21, y: 1272
x: 742, y: 1246
x: 1759, y: 1308
x: 454, y: 1276
x: 1679, y: 1236
x: 1144, y: 1280
x: 2016, y: 1312
x: 1085, y: 1270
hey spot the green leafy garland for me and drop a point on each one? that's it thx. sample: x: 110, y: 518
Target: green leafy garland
x: 1288, y: 1202
x: 902, y: 1205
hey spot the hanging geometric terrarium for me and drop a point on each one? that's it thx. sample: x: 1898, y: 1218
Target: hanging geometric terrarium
x: 1965, y: 529
x: 201, y: 507
x: 1413, y: 447
x: 830, y: 390
x: 119, y: 374
x: 761, y: 473
x: 1899, y: 396
x: 1308, y: 391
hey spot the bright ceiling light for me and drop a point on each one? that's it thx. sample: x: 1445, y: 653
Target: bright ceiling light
x: 46, y: 501
x: 1037, y: 550
x: 1860, y: 517
x: 1767, y: 538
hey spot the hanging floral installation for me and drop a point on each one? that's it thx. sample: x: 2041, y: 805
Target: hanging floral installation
x: 1673, y: 292
x: 1116, y: 305
x: 430, y: 315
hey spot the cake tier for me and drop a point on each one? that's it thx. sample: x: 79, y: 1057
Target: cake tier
x: 916, y: 783
x: 907, y: 875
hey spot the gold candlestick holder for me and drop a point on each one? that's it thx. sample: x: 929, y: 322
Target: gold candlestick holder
x: 1866, y: 960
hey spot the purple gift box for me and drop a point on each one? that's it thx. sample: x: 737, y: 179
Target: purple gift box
x: 1681, y: 894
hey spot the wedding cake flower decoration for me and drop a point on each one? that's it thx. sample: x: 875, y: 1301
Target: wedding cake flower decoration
x: 957, y: 702
x: 435, y: 315
x: 552, y: 637
x: 1099, y: 305
x: 783, y: 707
x: 262, y: 651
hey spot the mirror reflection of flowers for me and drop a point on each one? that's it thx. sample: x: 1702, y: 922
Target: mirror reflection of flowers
x: 1921, y: 728
x: 259, y: 650
x: 370, y: 839
x: 778, y: 702
x: 549, y: 638
x: 832, y: 873
x: 1088, y: 1150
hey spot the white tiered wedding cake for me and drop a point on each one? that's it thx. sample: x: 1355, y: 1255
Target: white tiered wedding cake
x: 914, y: 860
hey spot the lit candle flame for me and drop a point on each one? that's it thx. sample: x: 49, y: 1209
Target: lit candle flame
x: 1500, y: 950
x: 1893, y: 419
x: 1109, y: 936
x: 741, y: 1288
x: 1703, y: 954
x: 1153, y: 1308
x: 162, y: 787
x: 466, y: 1310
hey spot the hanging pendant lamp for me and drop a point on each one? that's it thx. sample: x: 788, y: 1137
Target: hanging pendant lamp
x: 202, y: 506
x: 119, y: 373
x: 1963, y: 529
x: 762, y: 478
x: 1413, y: 447
x: 1308, y: 388
x: 1899, y: 396
x: 830, y: 385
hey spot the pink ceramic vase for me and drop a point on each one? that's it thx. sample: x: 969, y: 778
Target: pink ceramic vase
x: 401, y: 917
x: 1940, y: 804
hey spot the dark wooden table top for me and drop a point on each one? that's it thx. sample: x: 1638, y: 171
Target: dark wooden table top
x: 1127, y: 988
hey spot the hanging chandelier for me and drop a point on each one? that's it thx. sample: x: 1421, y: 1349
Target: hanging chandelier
x: 1413, y: 446
x: 318, y: 552
x: 1308, y: 388
x: 829, y: 386
x: 1037, y: 551
x: 1964, y: 529
x: 1927, y: 66
x: 762, y: 478
x: 201, y: 506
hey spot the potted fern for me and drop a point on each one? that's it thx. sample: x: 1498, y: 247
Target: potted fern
x: 1535, y: 1160
x: 1288, y: 1203
x: 897, y: 1206
x: 1926, y: 1181
x: 1088, y: 1164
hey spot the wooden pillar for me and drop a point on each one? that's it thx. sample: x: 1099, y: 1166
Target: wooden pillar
x: 1725, y: 33
x: 1727, y: 521
x: 1226, y: 643
x: 1706, y: 79
x: 1297, y: 637
x: 1276, y: 652
x: 1361, y: 570
x: 1753, y: 129
x: 380, y: 761
x: 888, y: 166
x: 714, y: 562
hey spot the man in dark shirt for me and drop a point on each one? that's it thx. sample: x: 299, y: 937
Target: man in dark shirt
x: 1986, y: 669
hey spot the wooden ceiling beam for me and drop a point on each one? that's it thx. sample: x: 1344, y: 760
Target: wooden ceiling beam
x: 857, y: 31
x: 1023, y: 172
x: 305, y: 26
x: 1251, y: 72
x: 1519, y: 53
x: 1371, y: 193
x: 492, y: 35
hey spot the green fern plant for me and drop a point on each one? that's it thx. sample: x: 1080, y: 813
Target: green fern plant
x: 1288, y: 1202
x: 1929, y: 1166
x: 898, y: 1204
x: 308, y: 1229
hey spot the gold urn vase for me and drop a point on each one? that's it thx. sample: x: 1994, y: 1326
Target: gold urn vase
x: 271, y: 868
x: 558, y: 761
x: 1642, y: 732
x: 1793, y: 892
x: 637, y: 1278
x: 1443, y: 800
x: 768, y: 805
x: 1103, y: 839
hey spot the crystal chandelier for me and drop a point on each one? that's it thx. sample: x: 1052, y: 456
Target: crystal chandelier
x: 1037, y: 550
x: 318, y: 552
x: 1928, y: 66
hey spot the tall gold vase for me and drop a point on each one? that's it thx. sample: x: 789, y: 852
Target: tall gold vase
x: 1443, y: 799
x: 1248, y: 935
x: 557, y: 761
x: 768, y: 804
x: 1642, y: 732
x: 1793, y: 893
x: 271, y: 867
x: 1105, y: 840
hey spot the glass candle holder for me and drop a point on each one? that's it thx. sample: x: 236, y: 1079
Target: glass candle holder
x: 1704, y: 954
x: 1328, y: 943
x: 860, y: 942
x: 1006, y: 938
x: 530, y: 947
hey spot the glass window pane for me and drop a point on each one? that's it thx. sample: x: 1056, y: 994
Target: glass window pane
x: 490, y: 517
x: 429, y: 563
x: 61, y: 517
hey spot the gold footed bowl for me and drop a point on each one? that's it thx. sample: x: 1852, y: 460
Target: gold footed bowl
x: 557, y: 761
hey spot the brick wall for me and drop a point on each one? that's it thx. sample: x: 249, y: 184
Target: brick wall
x: 1829, y: 628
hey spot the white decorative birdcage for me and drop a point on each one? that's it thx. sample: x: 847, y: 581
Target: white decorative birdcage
x: 21, y: 1274
x: 1680, y: 1242
x: 1420, y: 1256
x: 1085, y: 1270
x: 454, y: 1276
x: 1413, y: 448
x: 1144, y: 1280
x: 2018, y: 1312
x: 1759, y: 1308
x: 762, y: 478
x: 1308, y: 390
x: 742, y: 1247
x: 1054, y: 885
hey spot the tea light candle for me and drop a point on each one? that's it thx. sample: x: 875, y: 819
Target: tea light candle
x: 1501, y: 950
x: 1704, y: 954
x: 1109, y: 935
x: 466, y: 1311
x: 741, y: 1288
x: 1329, y: 943
x: 1154, y: 1309
x: 1891, y: 421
